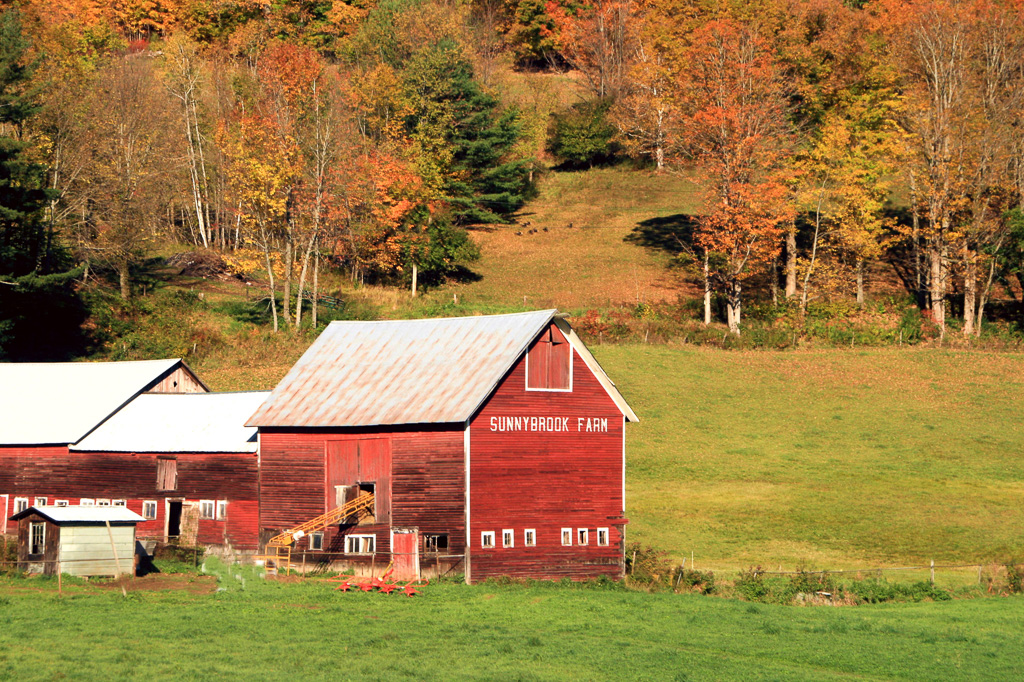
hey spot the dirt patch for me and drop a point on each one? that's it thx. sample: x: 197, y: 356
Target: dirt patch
x: 196, y: 584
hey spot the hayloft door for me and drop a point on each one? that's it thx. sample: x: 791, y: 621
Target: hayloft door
x: 405, y: 553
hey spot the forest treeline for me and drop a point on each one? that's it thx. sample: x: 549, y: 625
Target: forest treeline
x: 297, y: 135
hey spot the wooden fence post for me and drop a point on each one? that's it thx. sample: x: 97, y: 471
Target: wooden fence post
x: 933, y: 571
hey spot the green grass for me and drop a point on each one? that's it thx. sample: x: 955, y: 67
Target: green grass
x: 823, y: 459
x: 488, y: 632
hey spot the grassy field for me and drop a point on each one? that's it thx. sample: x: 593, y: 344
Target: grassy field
x: 827, y: 459
x: 304, y: 630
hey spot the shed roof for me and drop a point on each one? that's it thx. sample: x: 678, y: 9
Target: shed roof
x: 80, y: 514
x: 404, y: 371
x: 179, y: 422
x: 60, y: 402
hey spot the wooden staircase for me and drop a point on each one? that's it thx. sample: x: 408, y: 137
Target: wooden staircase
x: 279, y: 548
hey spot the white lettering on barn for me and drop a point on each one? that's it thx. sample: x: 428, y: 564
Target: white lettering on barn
x: 555, y: 424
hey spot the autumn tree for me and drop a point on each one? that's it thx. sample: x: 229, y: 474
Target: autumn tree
x: 597, y: 39
x: 735, y: 126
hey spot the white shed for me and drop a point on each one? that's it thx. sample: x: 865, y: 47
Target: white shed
x: 85, y: 541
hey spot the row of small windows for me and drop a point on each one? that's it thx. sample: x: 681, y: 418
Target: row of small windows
x: 214, y: 510
x: 508, y: 537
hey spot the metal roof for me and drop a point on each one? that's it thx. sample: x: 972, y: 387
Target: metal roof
x: 403, y: 371
x: 179, y: 422
x: 80, y: 514
x: 60, y: 402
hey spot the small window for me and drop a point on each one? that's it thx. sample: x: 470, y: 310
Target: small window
x: 508, y: 538
x: 207, y: 509
x: 316, y: 541
x: 567, y: 537
x: 487, y: 539
x: 166, y: 474
x: 582, y: 536
x: 530, y: 537
x: 40, y: 501
x: 360, y: 544
x: 20, y: 504
x: 102, y: 502
x: 87, y: 502
x: 602, y: 537
x: 149, y: 509
x: 222, y: 509
x: 37, y: 538
x: 61, y: 503
x: 119, y: 503
x: 435, y: 542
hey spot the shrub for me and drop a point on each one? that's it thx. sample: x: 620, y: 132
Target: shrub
x: 1015, y: 577
x: 751, y: 584
x: 582, y: 136
x: 646, y: 564
x: 695, y: 581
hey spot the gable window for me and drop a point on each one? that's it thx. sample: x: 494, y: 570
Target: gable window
x: 37, y: 538
x: 508, y: 538
x: 435, y: 542
x: 567, y: 537
x: 149, y: 509
x: 166, y: 474
x: 207, y: 509
x: 316, y: 541
x: 20, y: 504
x: 582, y: 536
x: 530, y: 537
x: 487, y: 539
x: 360, y: 544
x: 602, y: 537
x: 549, y: 362
x: 40, y: 501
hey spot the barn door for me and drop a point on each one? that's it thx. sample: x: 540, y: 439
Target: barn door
x: 405, y: 553
x: 189, y: 524
x: 5, y: 501
x: 354, y: 466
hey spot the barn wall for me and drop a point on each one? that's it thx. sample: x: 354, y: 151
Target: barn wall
x: 427, y: 484
x: 37, y: 564
x: 547, y: 480
x: 179, y: 381
x: 57, y: 474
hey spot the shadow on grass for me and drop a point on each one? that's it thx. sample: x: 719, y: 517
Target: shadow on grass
x: 672, y: 234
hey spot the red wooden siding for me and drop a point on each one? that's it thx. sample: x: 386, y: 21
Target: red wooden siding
x: 426, y: 480
x: 57, y: 474
x: 549, y: 361
x: 522, y: 477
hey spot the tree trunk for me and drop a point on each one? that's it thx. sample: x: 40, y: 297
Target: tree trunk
x: 316, y: 286
x: 773, y: 280
x: 288, y: 258
x: 860, y: 282
x: 916, y: 234
x: 302, y: 279
x: 415, y: 274
x: 936, y: 288
x: 984, y: 297
x: 707, y: 291
x: 270, y: 277
x: 970, y: 290
x: 733, y: 307
x: 791, y: 260
x: 123, y: 277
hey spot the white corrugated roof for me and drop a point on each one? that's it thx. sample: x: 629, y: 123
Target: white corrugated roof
x: 402, y: 371
x: 60, y: 402
x: 179, y: 422
x: 80, y: 514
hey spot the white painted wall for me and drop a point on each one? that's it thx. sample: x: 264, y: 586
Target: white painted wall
x: 85, y: 550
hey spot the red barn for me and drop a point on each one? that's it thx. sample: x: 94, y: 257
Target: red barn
x: 493, y: 445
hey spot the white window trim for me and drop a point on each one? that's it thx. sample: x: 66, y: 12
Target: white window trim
x: 602, y: 532
x: 61, y: 503
x: 86, y: 502
x: 487, y: 539
x: 582, y: 536
x: 207, y: 504
x: 320, y: 536
x: 222, y: 510
x: 102, y: 501
x: 40, y: 501
x: 567, y: 533
x: 526, y: 380
x: 20, y: 499
x: 362, y: 542
x: 145, y: 503
x: 510, y: 535
x: 119, y: 503
x: 530, y: 537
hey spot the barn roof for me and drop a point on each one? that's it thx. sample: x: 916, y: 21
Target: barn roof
x: 60, y: 402
x: 179, y: 422
x: 405, y: 371
x: 82, y: 514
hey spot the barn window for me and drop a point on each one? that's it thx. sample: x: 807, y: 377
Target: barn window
x: 530, y: 537
x: 87, y: 502
x: 567, y: 537
x: 207, y: 509
x: 582, y: 536
x: 508, y: 538
x: 360, y: 544
x: 103, y: 502
x: 20, y: 504
x: 61, y: 503
x: 166, y: 474
x: 119, y: 503
x: 40, y: 501
x: 435, y: 542
x: 549, y: 363
x: 316, y: 541
x: 149, y: 509
x: 487, y: 539
x: 222, y: 509
x: 602, y: 537
x: 37, y: 538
